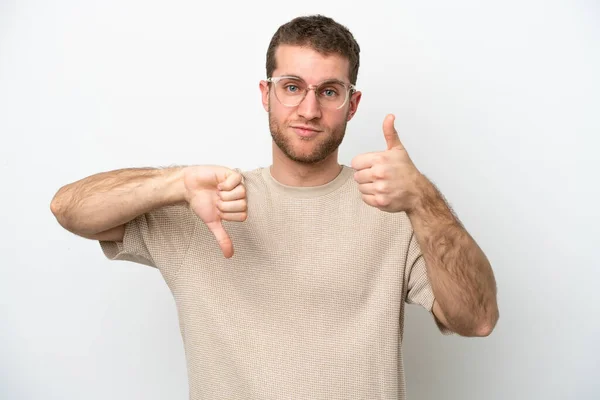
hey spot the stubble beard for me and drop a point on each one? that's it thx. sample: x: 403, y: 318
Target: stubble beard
x: 332, y: 140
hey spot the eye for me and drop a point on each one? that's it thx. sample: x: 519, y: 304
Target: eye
x: 291, y: 88
x: 329, y: 92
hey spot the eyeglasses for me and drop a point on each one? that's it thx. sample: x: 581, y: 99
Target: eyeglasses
x: 291, y: 90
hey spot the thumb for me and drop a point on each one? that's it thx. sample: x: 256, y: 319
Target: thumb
x: 216, y: 227
x: 391, y: 136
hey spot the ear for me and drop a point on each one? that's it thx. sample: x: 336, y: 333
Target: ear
x: 354, y: 100
x: 264, y: 89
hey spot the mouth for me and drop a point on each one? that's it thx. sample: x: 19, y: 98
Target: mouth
x: 305, y: 131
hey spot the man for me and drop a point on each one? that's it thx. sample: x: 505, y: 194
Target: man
x: 310, y: 305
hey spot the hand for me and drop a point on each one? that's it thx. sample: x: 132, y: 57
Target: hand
x: 388, y: 180
x: 216, y: 194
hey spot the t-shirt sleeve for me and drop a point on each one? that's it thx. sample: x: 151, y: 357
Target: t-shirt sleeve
x: 419, y: 289
x: 158, y: 238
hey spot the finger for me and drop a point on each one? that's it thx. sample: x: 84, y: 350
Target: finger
x: 232, y: 206
x: 364, y: 176
x: 366, y: 160
x: 234, y: 179
x: 369, y: 199
x: 238, y: 193
x: 367, y: 188
x: 222, y: 238
x: 389, y: 131
x: 234, y: 216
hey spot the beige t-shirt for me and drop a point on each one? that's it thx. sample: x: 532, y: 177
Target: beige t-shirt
x: 311, y: 305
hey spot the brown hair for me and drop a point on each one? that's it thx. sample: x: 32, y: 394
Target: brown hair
x: 322, y: 34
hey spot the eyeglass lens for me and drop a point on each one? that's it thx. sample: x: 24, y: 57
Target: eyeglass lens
x: 291, y: 92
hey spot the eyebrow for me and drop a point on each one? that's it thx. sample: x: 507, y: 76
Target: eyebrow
x: 328, y: 80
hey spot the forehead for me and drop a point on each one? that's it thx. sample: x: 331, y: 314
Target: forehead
x: 309, y: 64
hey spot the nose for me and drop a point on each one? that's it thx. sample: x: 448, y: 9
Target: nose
x: 309, y: 108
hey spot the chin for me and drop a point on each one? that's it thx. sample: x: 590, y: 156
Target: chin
x: 314, y: 155
x: 307, y: 151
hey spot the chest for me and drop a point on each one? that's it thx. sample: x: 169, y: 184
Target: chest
x: 322, y: 252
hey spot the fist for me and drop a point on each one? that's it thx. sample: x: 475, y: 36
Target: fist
x: 216, y: 194
x: 388, y: 180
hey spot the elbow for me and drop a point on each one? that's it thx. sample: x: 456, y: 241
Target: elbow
x: 484, y: 330
x: 55, y: 207
x: 55, y: 204
x: 478, y: 326
x: 58, y: 209
x: 487, y: 326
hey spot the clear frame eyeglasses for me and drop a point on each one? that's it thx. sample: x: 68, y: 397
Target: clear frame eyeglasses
x: 291, y: 90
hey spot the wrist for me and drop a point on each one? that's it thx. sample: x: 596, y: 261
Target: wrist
x: 429, y: 205
x: 422, y: 195
x: 174, y: 185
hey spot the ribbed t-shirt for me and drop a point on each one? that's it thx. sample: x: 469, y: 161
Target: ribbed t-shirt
x: 311, y: 305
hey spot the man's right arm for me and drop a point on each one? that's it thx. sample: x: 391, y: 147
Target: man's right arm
x: 99, y: 206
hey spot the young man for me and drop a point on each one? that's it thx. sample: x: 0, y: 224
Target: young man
x: 311, y: 303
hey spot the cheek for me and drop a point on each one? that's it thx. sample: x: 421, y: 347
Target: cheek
x: 336, y: 120
x: 280, y: 114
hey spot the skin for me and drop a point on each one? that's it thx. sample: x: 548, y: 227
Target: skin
x: 299, y: 161
x: 461, y: 276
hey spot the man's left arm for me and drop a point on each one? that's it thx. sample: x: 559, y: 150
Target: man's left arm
x: 461, y: 277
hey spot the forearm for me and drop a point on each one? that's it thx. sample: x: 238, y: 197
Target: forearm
x: 461, y: 276
x: 109, y: 199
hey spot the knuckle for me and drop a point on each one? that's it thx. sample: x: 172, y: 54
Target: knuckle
x: 379, y: 172
x: 381, y: 186
x: 382, y: 201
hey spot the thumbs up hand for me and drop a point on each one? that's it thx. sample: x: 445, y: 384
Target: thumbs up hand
x: 388, y: 180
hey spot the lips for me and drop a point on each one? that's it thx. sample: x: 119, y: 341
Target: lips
x: 305, y: 131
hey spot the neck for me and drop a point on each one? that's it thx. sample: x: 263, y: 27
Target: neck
x: 293, y: 173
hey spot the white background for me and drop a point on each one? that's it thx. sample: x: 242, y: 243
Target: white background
x: 497, y: 102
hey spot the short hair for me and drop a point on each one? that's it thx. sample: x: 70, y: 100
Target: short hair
x: 320, y: 33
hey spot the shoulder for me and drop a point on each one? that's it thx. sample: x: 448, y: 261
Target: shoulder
x: 252, y: 175
x: 254, y: 179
